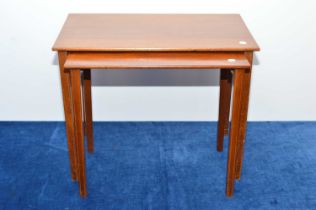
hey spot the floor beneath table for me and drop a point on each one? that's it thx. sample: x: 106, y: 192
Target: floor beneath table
x: 158, y: 165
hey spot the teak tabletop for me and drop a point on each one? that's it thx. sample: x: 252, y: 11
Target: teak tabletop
x: 157, y: 32
x: 155, y: 41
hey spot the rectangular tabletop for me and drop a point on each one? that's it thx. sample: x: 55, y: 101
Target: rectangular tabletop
x: 156, y: 60
x: 155, y: 32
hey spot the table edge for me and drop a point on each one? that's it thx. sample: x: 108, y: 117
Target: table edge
x: 57, y: 49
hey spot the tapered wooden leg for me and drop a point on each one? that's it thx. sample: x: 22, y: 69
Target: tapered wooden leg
x: 88, y: 108
x: 243, y: 118
x: 224, y: 107
x: 234, y: 130
x: 67, y: 100
x: 77, y: 110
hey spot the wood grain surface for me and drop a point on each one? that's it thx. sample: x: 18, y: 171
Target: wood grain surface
x: 156, y: 60
x: 155, y: 32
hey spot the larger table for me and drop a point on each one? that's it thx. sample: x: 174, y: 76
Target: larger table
x: 155, y: 41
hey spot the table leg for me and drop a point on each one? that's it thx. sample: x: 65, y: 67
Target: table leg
x: 243, y: 118
x: 224, y: 106
x: 75, y: 75
x: 67, y: 101
x: 234, y: 130
x: 88, y: 108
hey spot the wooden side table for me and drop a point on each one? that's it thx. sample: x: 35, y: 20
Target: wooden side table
x: 157, y: 41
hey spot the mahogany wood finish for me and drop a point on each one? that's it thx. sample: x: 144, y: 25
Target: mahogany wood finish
x: 67, y: 99
x: 75, y: 75
x: 224, y: 106
x: 157, y: 41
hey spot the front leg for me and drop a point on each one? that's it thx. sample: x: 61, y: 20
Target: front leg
x: 234, y: 131
x: 243, y: 118
x: 67, y: 101
x: 79, y: 137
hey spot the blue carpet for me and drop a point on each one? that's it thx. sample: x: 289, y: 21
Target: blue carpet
x: 158, y: 166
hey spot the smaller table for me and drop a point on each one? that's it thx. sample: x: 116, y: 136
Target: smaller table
x: 140, y: 41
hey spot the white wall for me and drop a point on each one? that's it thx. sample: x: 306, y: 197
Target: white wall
x: 283, y: 85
